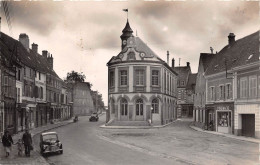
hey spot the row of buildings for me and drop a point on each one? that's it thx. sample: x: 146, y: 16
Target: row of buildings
x: 223, y: 96
x: 31, y: 93
x: 227, y: 92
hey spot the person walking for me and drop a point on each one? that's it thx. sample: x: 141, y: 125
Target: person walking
x: 7, y: 141
x: 27, y: 141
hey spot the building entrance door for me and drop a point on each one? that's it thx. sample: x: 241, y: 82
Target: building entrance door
x: 139, y: 110
x: 248, y: 125
x: 124, y: 110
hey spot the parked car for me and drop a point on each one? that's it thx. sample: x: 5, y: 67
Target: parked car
x: 49, y: 143
x: 94, y: 117
x: 76, y: 118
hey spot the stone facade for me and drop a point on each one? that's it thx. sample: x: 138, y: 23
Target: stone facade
x: 142, y: 87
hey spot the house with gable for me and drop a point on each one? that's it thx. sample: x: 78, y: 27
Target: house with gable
x: 231, y: 86
x: 142, y: 88
x: 201, y: 116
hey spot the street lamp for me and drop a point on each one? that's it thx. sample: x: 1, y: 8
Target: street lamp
x: 151, y: 119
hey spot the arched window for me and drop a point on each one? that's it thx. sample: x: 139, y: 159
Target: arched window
x: 155, y: 106
x: 139, y: 107
x: 123, y: 107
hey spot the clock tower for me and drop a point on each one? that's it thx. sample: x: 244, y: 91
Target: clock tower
x: 127, y: 32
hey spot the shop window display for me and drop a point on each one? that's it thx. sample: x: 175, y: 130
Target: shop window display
x: 224, y: 119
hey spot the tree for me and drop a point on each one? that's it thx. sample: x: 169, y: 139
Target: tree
x: 74, y: 76
x: 97, y: 100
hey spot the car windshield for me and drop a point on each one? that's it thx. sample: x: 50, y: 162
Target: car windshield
x: 49, y: 137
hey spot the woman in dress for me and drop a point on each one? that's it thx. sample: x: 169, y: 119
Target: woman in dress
x: 7, y: 141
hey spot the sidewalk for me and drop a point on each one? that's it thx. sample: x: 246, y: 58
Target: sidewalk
x: 136, y: 127
x: 243, y: 138
x: 35, y: 158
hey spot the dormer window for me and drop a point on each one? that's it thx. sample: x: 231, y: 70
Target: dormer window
x: 131, y: 56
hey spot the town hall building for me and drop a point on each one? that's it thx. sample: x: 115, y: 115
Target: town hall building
x: 142, y: 88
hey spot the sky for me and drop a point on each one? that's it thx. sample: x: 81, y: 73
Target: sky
x: 84, y: 35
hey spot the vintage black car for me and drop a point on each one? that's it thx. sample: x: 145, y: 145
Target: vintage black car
x: 94, y: 117
x: 49, y: 143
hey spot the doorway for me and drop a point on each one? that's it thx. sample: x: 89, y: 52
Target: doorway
x: 248, y: 125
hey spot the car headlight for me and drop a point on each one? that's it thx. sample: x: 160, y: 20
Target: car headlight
x: 44, y: 147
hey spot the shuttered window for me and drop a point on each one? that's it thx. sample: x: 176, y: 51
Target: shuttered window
x: 252, y: 87
x: 243, y: 87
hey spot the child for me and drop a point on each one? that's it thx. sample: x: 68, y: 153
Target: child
x: 19, y: 147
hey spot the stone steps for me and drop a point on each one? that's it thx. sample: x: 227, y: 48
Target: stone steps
x: 128, y: 123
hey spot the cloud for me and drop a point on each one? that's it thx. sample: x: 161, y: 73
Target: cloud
x: 41, y: 17
x: 84, y: 35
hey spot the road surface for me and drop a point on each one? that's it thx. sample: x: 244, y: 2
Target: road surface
x: 82, y: 146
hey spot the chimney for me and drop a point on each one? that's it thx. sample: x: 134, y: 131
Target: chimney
x: 24, y: 39
x: 173, y: 62
x: 188, y: 64
x: 50, y: 61
x: 35, y: 48
x: 231, y: 39
x: 44, y: 53
x: 211, y: 49
x: 168, y: 57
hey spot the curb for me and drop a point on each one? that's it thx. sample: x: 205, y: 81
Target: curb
x: 50, y: 129
x: 227, y: 136
x: 36, y: 151
x: 136, y: 127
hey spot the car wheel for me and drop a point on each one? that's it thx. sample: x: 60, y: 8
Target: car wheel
x: 42, y: 153
x: 61, y: 151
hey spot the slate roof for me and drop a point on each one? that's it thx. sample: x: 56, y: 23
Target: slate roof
x: 241, y: 52
x: 183, y: 73
x: 206, y: 59
x: 8, y: 45
x: 42, y: 64
x: 191, y: 81
x: 127, y: 28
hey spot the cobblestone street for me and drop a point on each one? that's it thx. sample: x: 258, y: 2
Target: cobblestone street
x: 178, y: 141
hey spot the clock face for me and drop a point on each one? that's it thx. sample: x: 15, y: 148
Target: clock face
x: 124, y: 42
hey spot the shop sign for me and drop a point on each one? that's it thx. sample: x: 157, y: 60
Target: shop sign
x: 221, y: 108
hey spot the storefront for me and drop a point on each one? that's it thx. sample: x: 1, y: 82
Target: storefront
x: 41, y: 114
x: 225, y: 118
x: 210, y: 118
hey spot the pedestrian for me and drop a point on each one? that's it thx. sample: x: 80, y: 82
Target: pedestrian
x: 19, y: 144
x: 7, y: 141
x: 27, y: 141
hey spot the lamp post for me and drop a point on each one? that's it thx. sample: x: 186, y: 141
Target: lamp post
x: 151, y: 119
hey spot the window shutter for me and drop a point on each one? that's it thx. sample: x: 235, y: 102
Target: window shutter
x: 230, y: 92
x: 218, y: 92
x: 224, y: 92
